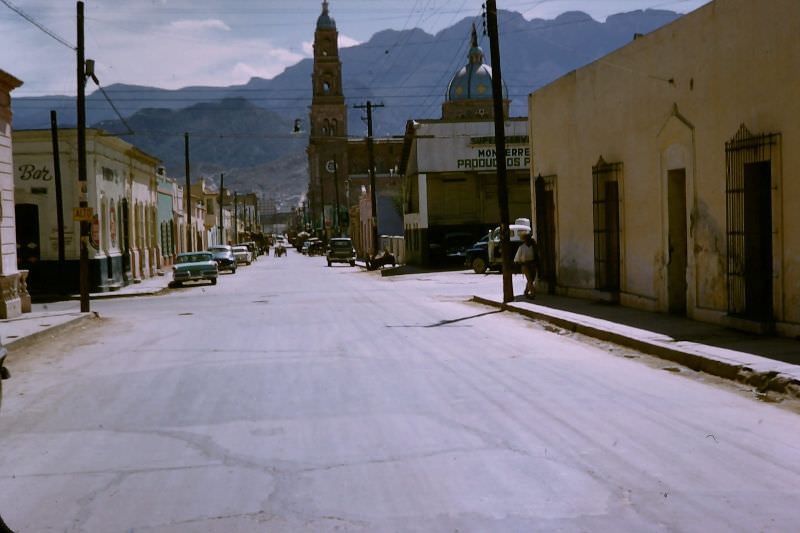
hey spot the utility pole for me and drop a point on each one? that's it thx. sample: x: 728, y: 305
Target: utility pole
x: 322, y: 200
x: 221, y: 200
x: 235, y: 217
x: 59, y: 192
x: 500, y: 150
x: 189, y: 231
x: 336, y: 188
x: 371, y: 171
x: 83, y: 189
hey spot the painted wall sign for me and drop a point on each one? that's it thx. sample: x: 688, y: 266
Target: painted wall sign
x: 469, y: 147
x: 82, y: 214
x: 112, y: 224
x: 485, y: 158
x: 94, y: 238
x: 32, y: 172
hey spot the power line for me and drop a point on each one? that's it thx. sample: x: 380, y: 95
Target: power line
x: 39, y: 25
x: 121, y: 118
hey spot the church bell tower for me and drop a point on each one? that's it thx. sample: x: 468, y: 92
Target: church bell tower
x: 327, y: 146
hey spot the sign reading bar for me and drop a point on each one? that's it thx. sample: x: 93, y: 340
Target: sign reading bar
x: 82, y: 214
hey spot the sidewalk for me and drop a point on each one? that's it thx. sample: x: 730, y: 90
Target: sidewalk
x: 14, y: 332
x: 769, y: 364
x: 147, y: 287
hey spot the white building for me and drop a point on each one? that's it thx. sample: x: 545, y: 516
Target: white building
x: 121, y: 188
x: 13, y: 294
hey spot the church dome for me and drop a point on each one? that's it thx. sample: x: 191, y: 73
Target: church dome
x: 473, y: 81
x: 325, y: 22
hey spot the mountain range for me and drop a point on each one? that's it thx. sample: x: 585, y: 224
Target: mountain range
x: 246, y: 130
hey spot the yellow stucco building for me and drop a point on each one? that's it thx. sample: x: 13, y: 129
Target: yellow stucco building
x: 663, y: 173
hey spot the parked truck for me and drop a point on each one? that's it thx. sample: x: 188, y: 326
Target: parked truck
x: 486, y: 254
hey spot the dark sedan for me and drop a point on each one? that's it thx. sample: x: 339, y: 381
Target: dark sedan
x: 225, y: 260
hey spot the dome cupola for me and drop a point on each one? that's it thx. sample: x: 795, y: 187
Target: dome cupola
x: 325, y: 22
x: 473, y: 81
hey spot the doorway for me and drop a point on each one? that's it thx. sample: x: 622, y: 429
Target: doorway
x: 758, y: 240
x: 677, y: 241
x: 546, y: 229
x: 28, y: 242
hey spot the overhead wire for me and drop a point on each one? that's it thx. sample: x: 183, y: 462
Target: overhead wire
x: 272, y: 95
x: 38, y: 24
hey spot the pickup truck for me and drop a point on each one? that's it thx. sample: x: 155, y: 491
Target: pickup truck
x: 485, y: 254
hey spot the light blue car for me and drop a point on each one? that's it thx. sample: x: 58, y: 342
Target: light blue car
x: 194, y: 266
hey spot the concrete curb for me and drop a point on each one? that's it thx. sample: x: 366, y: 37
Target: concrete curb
x: 21, y: 342
x: 762, y: 381
x: 114, y: 294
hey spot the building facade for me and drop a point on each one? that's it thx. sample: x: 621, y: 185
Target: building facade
x: 663, y: 173
x: 450, y: 168
x: 13, y: 295
x: 169, y: 209
x: 122, y: 193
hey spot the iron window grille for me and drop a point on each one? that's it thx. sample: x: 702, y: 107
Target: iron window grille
x: 605, y: 203
x: 742, y: 150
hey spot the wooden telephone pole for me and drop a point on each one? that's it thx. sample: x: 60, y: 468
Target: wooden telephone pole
x: 500, y: 150
x: 188, y: 194
x: 83, y: 188
x: 371, y: 155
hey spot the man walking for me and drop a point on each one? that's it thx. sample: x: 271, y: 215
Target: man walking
x: 527, y: 257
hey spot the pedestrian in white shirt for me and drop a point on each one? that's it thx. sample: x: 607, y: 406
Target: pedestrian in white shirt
x: 527, y: 257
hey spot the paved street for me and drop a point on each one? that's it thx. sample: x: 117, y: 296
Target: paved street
x: 296, y: 397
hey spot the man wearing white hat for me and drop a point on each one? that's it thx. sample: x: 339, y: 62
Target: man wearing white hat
x: 527, y: 257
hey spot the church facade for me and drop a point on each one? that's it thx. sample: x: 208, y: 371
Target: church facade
x: 337, y: 164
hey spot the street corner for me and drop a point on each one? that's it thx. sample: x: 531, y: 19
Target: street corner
x: 20, y: 332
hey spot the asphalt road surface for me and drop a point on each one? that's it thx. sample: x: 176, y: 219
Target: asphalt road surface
x: 296, y: 397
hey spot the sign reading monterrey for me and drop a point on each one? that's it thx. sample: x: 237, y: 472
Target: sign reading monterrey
x: 471, y: 153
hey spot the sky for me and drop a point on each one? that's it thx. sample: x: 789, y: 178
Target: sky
x: 178, y: 43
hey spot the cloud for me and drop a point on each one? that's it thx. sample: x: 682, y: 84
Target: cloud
x: 192, y: 60
x: 344, y: 42
x: 198, y: 25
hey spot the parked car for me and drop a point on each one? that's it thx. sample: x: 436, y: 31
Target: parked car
x: 452, y: 249
x: 224, y: 257
x: 194, y: 266
x: 242, y: 255
x: 252, y: 248
x: 340, y: 250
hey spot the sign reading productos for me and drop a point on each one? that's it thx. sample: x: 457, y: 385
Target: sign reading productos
x: 486, y: 158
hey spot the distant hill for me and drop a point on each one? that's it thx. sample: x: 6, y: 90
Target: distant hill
x: 408, y: 71
x: 253, y: 146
